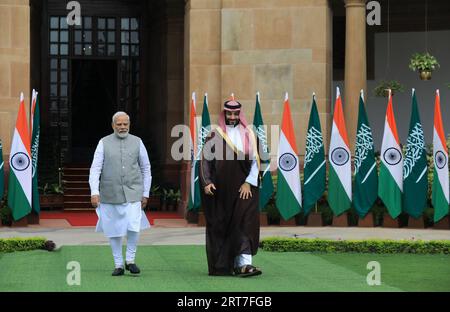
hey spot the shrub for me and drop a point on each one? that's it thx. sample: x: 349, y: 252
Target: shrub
x: 23, y: 244
x: 360, y: 246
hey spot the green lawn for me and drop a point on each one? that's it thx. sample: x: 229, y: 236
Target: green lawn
x: 183, y: 268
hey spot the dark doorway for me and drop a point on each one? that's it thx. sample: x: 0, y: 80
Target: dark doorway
x: 94, y: 101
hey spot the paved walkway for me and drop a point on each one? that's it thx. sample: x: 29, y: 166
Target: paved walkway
x: 178, y: 232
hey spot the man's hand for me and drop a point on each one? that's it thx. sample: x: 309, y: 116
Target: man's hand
x: 95, y: 200
x: 144, y: 202
x: 209, y: 189
x: 245, y: 191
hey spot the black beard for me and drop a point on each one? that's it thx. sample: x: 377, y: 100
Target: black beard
x: 227, y: 122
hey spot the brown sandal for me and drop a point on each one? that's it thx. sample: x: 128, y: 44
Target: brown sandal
x: 247, y: 270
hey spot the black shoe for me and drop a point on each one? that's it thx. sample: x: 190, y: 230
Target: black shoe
x: 118, y: 272
x: 133, y: 268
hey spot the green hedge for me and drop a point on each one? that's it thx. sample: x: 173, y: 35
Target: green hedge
x: 362, y: 246
x: 21, y: 244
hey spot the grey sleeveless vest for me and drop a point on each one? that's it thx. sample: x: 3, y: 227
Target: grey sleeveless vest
x: 121, y: 179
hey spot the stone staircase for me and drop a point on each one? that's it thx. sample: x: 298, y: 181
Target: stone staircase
x: 77, y: 194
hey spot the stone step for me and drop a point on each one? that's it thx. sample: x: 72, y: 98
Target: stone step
x: 77, y: 198
x: 74, y: 204
x: 73, y: 177
x: 77, y: 191
x: 76, y: 184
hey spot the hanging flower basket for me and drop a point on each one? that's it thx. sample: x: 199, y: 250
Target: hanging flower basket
x: 382, y: 89
x: 424, y: 63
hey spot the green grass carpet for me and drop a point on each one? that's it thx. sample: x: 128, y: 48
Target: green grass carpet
x: 183, y: 268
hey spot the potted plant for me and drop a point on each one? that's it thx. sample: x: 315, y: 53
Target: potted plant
x: 424, y: 63
x: 173, y: 198
x: 51, y: 196
x: 154, y: 200
x: 382, y: 89
x: 5, y: 213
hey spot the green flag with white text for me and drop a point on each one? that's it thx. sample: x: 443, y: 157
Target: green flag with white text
x: 415, y: 180
x: 315, y: 164
x: 35, y: 125
x: 365, y: 189
x: 266, y: 186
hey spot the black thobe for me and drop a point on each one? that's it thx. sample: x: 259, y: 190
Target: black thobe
x: 232, y: 223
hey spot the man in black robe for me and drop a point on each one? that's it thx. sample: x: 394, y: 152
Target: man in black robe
x: 229, y: 174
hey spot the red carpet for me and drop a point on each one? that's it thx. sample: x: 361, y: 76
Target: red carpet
x: 89, y: 218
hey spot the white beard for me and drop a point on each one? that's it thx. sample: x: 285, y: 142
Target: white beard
x: 121, y: 135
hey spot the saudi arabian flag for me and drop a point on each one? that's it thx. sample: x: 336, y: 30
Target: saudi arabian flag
x: 35, y: 130
x: 340, y: 174
x: 206, y: 126
x: 2, y: 173
x: 266, y: 186
x: 289, y: 197
x: 315, y: 163
x: 366, y: 179
x: 440, y: 190
x: 19, y: 184
x: 415, y: 178
x: 390, y: 185
x: 194, y: 194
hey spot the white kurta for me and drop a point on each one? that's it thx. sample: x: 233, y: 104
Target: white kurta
x: 114, y: 220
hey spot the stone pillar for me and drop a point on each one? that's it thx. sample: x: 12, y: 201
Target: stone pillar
x: 14, y: 65
x: 355, y: 62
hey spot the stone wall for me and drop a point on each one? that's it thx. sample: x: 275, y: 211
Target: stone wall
x: 14, y: 65
x: 245, y: 46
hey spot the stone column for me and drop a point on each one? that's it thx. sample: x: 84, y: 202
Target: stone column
x: 355, y: 62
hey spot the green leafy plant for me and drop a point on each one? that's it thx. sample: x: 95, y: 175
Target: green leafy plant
x: 423, y: 62
x: 5, y: 214
x: 22, y: 244
x: 155, y: 190
x: 53, y: 188
x: 279, y: 244
x: 382, y: 89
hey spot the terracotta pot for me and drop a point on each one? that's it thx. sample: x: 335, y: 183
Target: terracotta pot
x: 201, y: 219
x: 314, y: 219
x: 51, y: 200
x: 263, y: 218
x: 425, y: 75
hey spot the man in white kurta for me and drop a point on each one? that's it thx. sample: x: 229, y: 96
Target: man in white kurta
x: 120, y: 179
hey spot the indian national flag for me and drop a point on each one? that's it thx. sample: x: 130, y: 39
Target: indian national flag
x: 340, y: 175
x: 440, y: 190
x: 390, y: 182
x: 194, y: 194
x: 19, y: 184
x: 289, y: 195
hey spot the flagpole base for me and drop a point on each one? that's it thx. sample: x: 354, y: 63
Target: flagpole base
x: 263, y: 219
x: 289, y: 222
x: 414, y: 223
x: 33, y: 218
x: 191, y: 217
x: 20, y: 223
x: 340, y: 221
x: 388, y: 222
x: 201, y: 219
x: 314, y: 219
x: 443, y: 224
x: 367, y: 221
